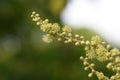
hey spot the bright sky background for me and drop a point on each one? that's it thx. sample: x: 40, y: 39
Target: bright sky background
x: 103, y: 16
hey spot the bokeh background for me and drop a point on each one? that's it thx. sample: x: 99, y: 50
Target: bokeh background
x: 24, y: 56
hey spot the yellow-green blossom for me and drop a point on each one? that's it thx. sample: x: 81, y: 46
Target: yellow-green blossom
x: 95, y: 48
x: 47, y: 38
x: 66, y: 29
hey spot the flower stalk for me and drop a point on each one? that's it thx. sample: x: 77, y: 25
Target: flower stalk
x: 95, y: 48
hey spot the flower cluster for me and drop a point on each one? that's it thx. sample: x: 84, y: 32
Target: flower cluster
x: 95, y: 48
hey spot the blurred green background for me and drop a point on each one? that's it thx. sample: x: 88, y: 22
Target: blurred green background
x: 24, y: 56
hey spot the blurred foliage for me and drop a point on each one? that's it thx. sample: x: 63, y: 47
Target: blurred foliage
x: 23, y: 55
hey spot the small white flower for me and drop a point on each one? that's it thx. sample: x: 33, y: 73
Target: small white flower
x: 47, y: 38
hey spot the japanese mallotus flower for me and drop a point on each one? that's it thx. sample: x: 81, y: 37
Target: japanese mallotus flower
x: 103, y: 16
